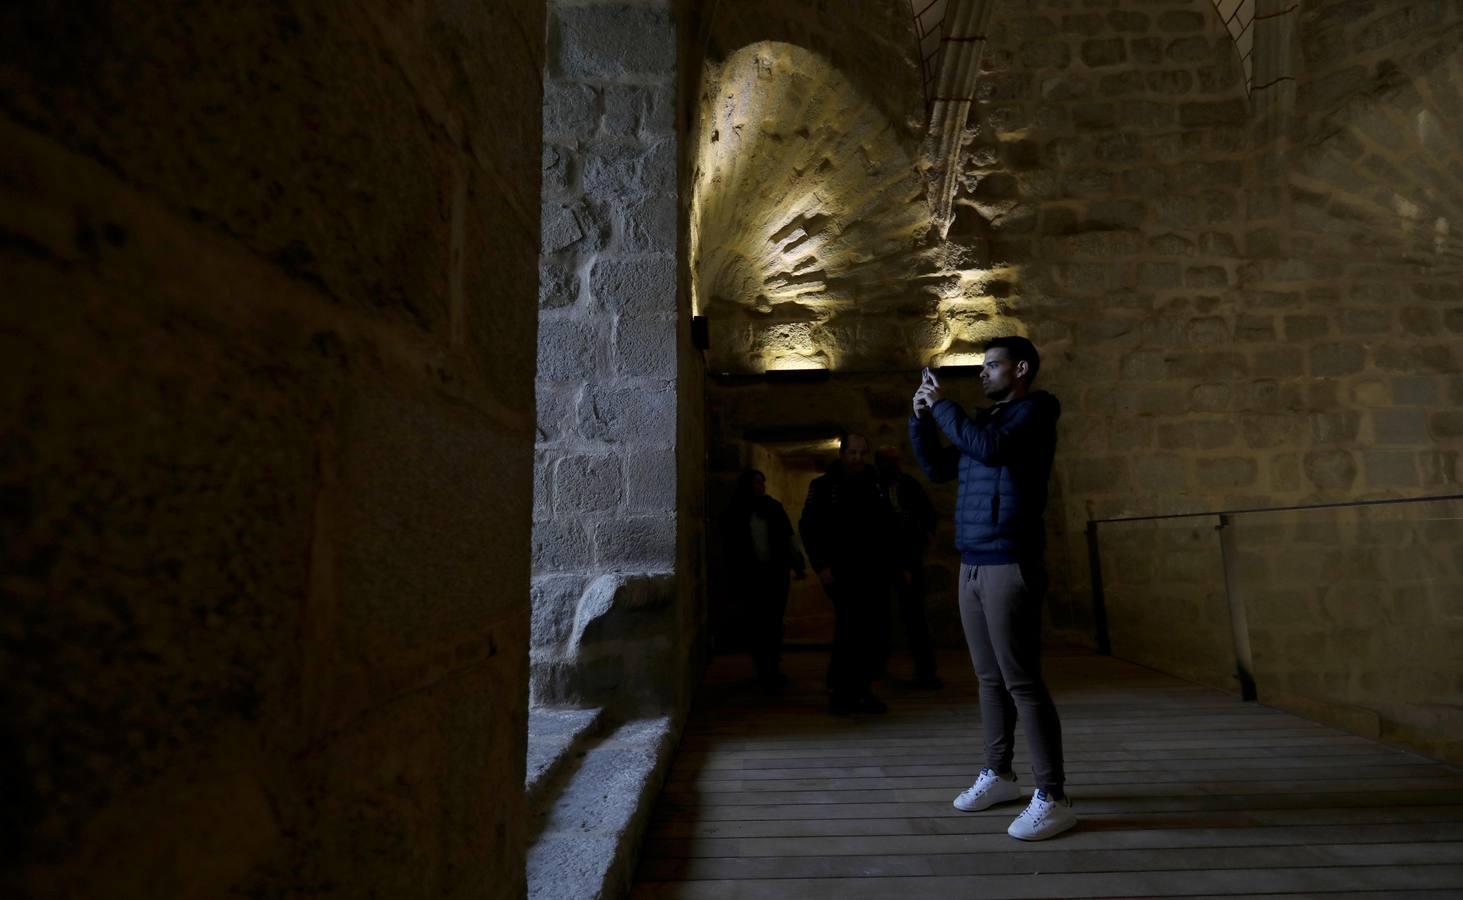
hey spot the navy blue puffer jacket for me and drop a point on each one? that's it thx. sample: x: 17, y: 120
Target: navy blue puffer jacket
x: 1003, y: 458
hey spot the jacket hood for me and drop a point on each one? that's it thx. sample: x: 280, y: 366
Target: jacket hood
x: 1048, y: 401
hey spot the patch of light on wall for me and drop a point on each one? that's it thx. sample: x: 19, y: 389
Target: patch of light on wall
x: 960, y: 358
x: 795, y: 363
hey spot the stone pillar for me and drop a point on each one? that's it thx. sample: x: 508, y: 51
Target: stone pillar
x: 605, y: 511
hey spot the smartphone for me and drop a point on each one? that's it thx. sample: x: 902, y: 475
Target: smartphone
x: 925, y: 375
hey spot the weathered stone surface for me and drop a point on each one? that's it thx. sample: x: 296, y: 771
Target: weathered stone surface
x: 555, y: 601
x: 644, y: 541
x: 644, y: 415
x: 637, y: 286
x: 1330, y: 469
x: 587, y: 484
x: 568, y: 347
x: 613, y: 40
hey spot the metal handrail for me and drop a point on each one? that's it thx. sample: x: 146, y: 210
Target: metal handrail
x: 1238, y: 617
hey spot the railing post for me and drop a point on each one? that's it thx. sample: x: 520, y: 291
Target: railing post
x: 1238, y: 620
x: 1099, y: 602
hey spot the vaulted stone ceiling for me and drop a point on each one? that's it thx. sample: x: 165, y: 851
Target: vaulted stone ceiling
x: 808, y: 211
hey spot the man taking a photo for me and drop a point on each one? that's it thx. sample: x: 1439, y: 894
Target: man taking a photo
x: 1003, y: 459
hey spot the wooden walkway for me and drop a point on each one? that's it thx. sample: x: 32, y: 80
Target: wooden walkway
x: 1181, y: 791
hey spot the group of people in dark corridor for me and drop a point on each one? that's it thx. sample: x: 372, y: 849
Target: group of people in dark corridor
x: 866, y: 529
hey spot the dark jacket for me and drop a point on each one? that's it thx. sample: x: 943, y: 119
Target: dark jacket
x: 736, y: 531
x: 847, y: 524
x: 1003, y: 458
x: 914, y: 516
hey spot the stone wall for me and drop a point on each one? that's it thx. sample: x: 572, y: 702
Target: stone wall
x: 268, y: 446
x: 611, y: 624
x: 1242, y: 299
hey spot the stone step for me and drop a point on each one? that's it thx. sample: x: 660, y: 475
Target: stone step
x: 556, y: 737
x: 589, y: 833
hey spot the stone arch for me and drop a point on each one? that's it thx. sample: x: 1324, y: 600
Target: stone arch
x: 803, y: 211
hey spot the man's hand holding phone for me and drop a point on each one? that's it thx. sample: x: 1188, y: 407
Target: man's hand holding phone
x: 928, y: 394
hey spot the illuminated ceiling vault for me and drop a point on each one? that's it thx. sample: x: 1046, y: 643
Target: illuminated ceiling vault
x: 807, y: 213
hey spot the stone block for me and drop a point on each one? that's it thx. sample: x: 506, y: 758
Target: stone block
x: 1305, y: 327
x: 1212, y: 397
x: 1098, y: 475
x: 1366, y: 321
x: 1181, y: 20
x: 543, y: 486
x: 1117, y: 213
x: 1399, y: 426
x: 1263, y: 432
x: 1439, y: 467
x: 1285, y: 472
x: 1159, y: 275
x: 1146, y: 51
x: 571, y: 111
x: 1082, y: 23
x: 1415, y: 390
x: 648, y: 485
x: 1168, y: 81
x: 1212, y: 364
x: 1335, y: 427
x: 645, y: 345
x: 641, y: 415
x: 1128, y: 20
x: 1446, y: 424
x: 1330, y: 469
x: 1146, y: 114
x: 587, y: 484
x: 1331, y: 360
x: 636, y: 286
x: 1207, y: 330
x: 648, y: 225
x: 1218, y: 112
x: 1278, y: 363
x: 555, y: 599
x: 613, y: 40
x: 625, y: 107
x: 1390, y: 469
x: 1189, y: 50
x: 641, y: 542
x: 1166, y: 400
x: 561, y: 546
x: 1171, y: 245
x: 578, y: 225
x: 1164, y: 473
x: 612, y: 172
x: 1144, y: 365
x: 558, y: 171
x: 1254, y: 329
x: 1093, y: 116
x: 558, y: 284
x: 556, y: 405
x: 570, y: 349
x: 1098, y: 52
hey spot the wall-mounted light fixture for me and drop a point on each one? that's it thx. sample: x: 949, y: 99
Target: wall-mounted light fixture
x: 700, y: 333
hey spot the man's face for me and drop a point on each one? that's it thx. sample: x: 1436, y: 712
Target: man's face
x: 998, y: 374
x: 855, y: 454
x: 759, y: 485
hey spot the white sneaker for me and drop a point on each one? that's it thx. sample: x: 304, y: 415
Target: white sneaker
x: 988, y: 790
x: 1043, y: 818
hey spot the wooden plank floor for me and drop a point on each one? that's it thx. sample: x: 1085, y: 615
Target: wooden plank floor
x: 1181, y: 791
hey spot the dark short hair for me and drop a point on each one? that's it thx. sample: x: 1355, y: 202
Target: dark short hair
x: 847, y: 436
x: 1020, y: 350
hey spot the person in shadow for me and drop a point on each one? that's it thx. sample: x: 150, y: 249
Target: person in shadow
x: 761, y: 550
x: 915, y: 519
x: 848, y: 528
